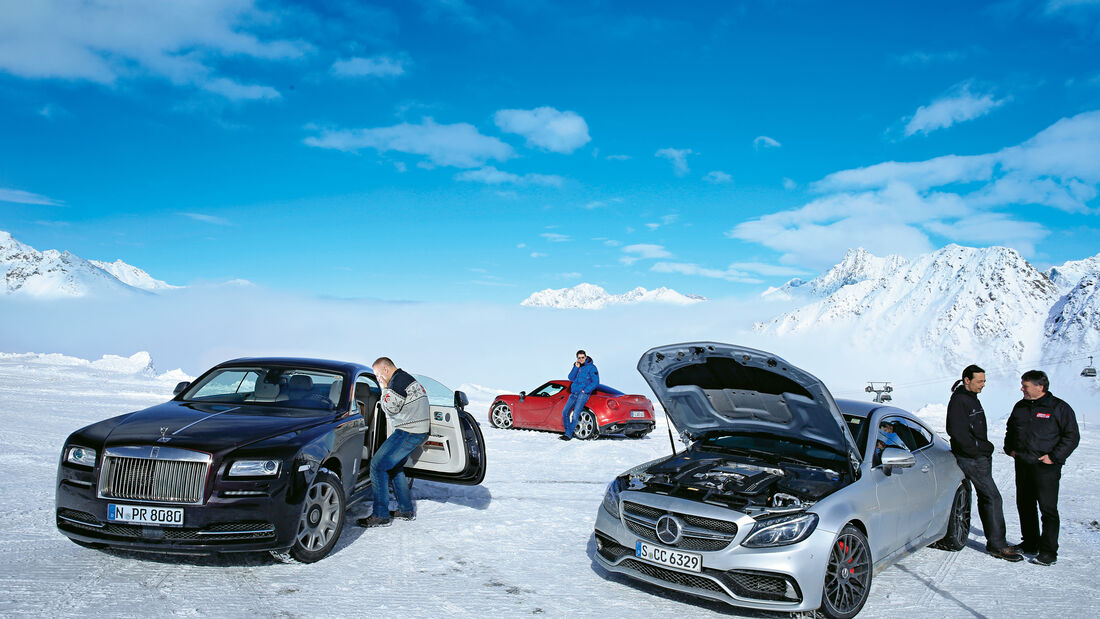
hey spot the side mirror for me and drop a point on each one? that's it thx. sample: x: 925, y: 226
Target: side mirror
x: 522, y: 395
x: 461, y: 400
x: 180, y: 387
x: 896, y: 457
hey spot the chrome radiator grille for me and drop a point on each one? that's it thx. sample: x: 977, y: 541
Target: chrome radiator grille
x: 156, y: 474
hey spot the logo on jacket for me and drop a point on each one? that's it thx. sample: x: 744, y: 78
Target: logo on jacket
x: 669, y: 529
x: 163, y: 435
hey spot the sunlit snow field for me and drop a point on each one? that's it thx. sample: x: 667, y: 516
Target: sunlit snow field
x: 519, y: 544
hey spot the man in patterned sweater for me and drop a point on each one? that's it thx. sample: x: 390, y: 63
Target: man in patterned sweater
x: 406, y: 404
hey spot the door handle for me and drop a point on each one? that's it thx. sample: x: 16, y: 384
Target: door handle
x: 925, y: 468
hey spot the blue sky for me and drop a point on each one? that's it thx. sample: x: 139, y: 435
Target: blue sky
x: 475, y: 150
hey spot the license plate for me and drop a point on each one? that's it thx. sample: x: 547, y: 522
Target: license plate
x: 637, y: 413
x: 666, y: 556
x: 143, y: 514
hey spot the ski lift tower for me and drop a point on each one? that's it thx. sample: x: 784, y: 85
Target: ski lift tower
x: 881, y: 390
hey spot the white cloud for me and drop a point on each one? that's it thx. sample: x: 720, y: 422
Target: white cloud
x: 957, y: 105
x: 209, y: 219
x: 617, y: 157
x: 536, y: 254
x: 375, y: 66
x: 924, y: 58
x: 460, y: 145
x: 687, y: 268
x: 612, y: 243
x: 895, y: 208
x: 236, y: 91
x: 492, y: 176
x: 1055, y: 6
x: 546, y: 127
x: 718, y: 177
x: 521, y: 245
x: 789, y: 184
x: 643, y: 251
x: 19, y: 196
x: 763, y: 141
x: 570, y: 275
x: 554, y: 237
x: 678, y: 157
x: 104, y: 41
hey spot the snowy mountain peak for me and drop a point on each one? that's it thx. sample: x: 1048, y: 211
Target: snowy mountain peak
x: 51, y: 274
x: 133, y: 276
x: 590, y: 296
x: 1066, y: 276
x: 948, y: 304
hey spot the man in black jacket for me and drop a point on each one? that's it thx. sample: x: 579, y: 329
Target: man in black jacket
x: 966, y: 426
x: 1042, y: 432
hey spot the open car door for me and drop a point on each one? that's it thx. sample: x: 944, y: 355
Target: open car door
x: 455, y: 450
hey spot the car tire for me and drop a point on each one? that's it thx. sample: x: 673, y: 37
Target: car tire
x: 847, y: 575
x: 587, y: 428
x: 322, y: 518
x: 958, y: 521
x: 500, y: 416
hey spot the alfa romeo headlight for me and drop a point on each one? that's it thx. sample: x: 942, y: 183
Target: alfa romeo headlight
x: 80, y: 455
x: 781, y: 531
x: 611, y: 497
x: 254, y: 468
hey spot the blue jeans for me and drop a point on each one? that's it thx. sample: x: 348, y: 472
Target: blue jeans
x: 388, y: 464
x: 571, y: 414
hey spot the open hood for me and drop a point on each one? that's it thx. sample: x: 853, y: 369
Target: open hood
x: 708, y: 386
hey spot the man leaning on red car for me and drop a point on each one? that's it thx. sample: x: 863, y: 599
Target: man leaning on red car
x: 584, y: 378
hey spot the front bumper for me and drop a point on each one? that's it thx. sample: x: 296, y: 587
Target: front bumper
x: 221, y: 523
x: 784, y: 579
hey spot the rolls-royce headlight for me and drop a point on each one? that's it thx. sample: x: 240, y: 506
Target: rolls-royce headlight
x: 254, y: 468
x: 80, y: 455
x: 781, y: 531
x: 611, y: 497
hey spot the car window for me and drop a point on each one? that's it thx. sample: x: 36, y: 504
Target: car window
x: 438, y: 393
x: 548, y: 390
x: 611, y: 391
x: 913, y: 434
x: 889, y: 434
x: 857, y: 426
x: 285, y: 387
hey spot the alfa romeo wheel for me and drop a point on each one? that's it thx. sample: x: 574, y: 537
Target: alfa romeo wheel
x: 322, y: 518
x: 501, y: 416
x: 847, y: 575
x: 587, y: 428
x: 958, y: 523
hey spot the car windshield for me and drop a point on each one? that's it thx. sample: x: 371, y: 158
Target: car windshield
x: 274, y: 386
x: 770, y: 447
x: 438, y: 393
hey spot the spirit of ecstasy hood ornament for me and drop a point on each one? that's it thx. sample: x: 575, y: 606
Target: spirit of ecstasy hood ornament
x: 163, y: 435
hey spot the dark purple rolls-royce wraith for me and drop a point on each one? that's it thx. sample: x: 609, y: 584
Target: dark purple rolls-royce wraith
x: 260, y: 454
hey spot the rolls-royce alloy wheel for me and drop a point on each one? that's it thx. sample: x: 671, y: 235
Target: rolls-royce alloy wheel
x: 322, y: 518
x: 501, y: 416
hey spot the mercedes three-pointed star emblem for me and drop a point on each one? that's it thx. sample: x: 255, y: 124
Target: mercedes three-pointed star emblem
x: 669, y: 529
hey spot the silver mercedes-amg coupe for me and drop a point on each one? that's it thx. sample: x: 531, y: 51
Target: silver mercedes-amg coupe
x: 785, y: 499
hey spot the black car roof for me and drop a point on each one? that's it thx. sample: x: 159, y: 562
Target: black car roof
x: 319, y: 364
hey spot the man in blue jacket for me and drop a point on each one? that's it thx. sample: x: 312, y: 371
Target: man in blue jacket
x: 584, y: 377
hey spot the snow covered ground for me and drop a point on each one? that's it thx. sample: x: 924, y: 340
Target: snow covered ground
x: 518, y: 545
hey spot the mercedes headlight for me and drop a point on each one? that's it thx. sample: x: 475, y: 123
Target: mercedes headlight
x: 781, y: 531
x: 80, y: 455
x: 254, y: 468
x: 611, y: 498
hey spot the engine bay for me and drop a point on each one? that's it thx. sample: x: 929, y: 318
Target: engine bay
x: 746, y: 483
